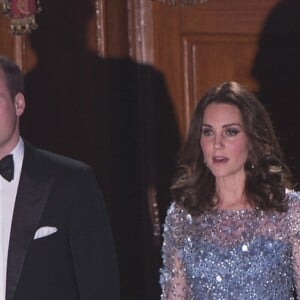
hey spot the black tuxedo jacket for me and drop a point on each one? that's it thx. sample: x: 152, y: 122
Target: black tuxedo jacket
x: 78, y: 260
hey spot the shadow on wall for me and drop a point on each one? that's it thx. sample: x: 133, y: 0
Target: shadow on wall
x: 277, y: 69
x: 91, y: 108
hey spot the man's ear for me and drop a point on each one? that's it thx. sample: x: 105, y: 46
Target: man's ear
x: 19, y: 104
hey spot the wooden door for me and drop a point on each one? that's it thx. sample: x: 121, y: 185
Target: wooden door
x: 253, y: 42
x: 200, y: 46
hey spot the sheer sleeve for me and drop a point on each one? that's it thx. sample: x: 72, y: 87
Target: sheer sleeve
x: 294, y: 218
x: 173, y: 279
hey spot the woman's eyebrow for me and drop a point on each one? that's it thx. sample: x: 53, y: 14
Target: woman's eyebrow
x: 231, y: 124
x: 224, y: 126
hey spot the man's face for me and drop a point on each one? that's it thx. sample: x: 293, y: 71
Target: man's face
x: 10, y: 111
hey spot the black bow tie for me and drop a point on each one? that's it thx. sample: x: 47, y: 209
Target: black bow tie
x: 7, y: 167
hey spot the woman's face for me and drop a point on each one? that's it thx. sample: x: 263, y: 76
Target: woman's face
x: 223, y: 141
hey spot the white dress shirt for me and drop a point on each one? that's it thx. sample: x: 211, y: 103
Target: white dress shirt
x: 8, y: 192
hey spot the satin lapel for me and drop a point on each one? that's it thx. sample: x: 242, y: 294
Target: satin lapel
x: 31, y: 198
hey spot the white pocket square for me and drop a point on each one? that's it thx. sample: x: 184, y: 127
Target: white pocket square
x: 44, y: 231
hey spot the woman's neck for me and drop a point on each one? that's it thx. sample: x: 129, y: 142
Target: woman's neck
x: 231, y: 195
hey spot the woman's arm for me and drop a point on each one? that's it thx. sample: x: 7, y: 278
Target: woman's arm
x: 173, y: 278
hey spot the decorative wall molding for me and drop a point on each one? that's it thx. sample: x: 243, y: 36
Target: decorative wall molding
x: 183, y: 2
x: 101, y: 27
x: 140, y: 30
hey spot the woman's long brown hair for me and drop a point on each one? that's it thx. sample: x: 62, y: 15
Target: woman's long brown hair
x: 267, y: 175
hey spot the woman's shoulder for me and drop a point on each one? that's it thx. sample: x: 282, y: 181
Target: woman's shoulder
x: 293, y: 214
x: 177, y: 216
x: 293, y: 203
x: 293, y: 198
x: 177, y: 212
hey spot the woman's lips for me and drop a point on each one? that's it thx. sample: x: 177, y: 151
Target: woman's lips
x: 220, y: 159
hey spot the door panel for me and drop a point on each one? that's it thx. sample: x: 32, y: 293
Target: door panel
x: 199, y: 46
x: 211, y: 59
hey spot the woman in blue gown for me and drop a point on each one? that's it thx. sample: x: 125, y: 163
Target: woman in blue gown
x: 233, y: 230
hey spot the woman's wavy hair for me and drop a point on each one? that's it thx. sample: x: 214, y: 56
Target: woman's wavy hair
x: 267, y: 175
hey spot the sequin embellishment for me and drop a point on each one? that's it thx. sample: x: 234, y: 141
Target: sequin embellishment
x: 232, y: 254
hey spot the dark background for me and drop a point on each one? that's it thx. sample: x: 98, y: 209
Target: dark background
x: 91, y: 108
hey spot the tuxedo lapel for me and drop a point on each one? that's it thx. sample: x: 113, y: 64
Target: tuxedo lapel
x: 31, y: 197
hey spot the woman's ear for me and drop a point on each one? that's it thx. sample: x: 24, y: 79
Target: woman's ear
x: 19, y: 104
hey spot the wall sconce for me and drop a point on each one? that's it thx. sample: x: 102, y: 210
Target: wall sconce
x: 21, y: 14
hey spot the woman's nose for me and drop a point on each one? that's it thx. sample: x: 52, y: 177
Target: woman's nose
x: 218, y: 142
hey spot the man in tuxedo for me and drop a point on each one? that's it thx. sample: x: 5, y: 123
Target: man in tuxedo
x: 55, y: 238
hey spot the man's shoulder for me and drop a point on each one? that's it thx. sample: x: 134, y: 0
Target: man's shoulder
x: 51, y: 160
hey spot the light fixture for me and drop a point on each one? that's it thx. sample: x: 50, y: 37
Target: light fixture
x: 21, y: 14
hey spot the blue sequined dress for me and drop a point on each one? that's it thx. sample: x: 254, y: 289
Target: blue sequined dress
x: 232, y: 254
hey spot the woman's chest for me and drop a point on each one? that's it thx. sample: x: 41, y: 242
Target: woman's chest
x: 248, y: 252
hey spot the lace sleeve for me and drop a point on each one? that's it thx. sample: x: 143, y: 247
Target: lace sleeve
x: 173, y: 279
x: 294, y: 218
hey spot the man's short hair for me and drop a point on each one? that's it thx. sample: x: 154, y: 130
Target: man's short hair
x: 12, y: 75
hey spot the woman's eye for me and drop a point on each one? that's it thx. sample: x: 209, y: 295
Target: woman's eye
x: 232, y: 131
x: 207, y: 132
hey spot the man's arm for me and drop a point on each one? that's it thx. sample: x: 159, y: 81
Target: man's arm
x: 92, y: 244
